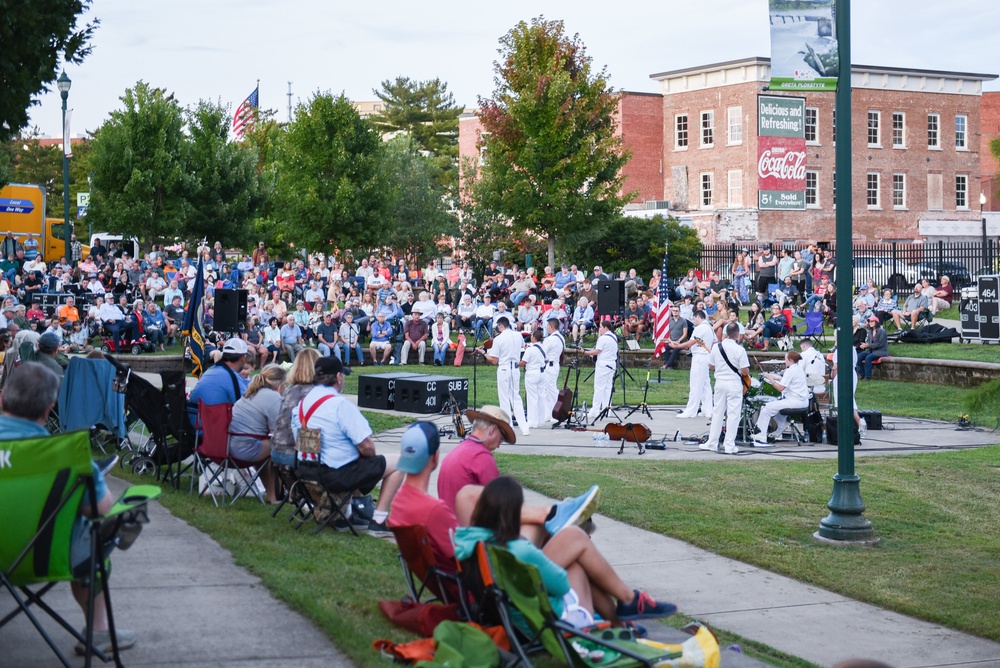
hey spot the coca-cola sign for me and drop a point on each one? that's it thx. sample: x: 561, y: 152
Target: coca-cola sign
x: 781, y: 152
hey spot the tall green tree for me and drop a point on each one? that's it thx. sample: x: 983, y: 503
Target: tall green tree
x: 427, y: 112
x: 140, y: 163
x: 552, y: 158
x: 637, y: 243
x: 418, y: 214
x: 331, y: 191
x: 30, y: 162
x: 229, y: 192
x: 34, y: 37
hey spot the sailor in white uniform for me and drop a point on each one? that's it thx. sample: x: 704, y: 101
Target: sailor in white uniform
x: 506, y: 354
x: 553, y: 347
x: 606, y: 352
x: 535, y: 370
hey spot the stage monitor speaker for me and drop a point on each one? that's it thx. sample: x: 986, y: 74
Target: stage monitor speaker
x: 610, y: 297
x: 230, y: 310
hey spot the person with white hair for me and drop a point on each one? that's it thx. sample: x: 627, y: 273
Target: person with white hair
x: 583, y: 318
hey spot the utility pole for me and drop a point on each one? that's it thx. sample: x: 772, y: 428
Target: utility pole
x: 289, y: 101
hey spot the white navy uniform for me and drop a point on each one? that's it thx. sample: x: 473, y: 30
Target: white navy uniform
x: 507, y: 348
x: 700, y: 389
x: 795, y: 395
x: 728, y: 393
x: 604, y: 373
x: 854, y: 370
x: 553, y: 346
x: 535, y: 370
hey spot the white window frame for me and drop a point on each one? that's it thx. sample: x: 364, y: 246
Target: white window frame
x: 703, y: 201
x: 877, y: 177
x: 678, y: 132
x: 734, y: 133
x: 899, y: 188
x: 735, y: 191
x: 962, y: 136
x: 812, y: 121
x: 706, y: 130
x: 874, y: 128
x: 812, y: 192
x: 934, y: 135
x: 901, y: 130
x: 962, y: 192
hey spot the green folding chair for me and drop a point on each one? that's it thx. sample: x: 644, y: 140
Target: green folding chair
x: 519, y: 589
x: 43, y: 541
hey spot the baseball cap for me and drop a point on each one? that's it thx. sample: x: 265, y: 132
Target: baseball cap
x: 235, y: 346
x: 873, y: 319
x: 419, y: 443
x: 48, y: 342
x: 331, y: 366
x: 863, y: 287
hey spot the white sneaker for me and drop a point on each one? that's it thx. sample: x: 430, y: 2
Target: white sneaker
x: 685, y: 416
x: 776, y: 435
x: 762, y: 444
x: 732, y: 451
x: 707, y: 446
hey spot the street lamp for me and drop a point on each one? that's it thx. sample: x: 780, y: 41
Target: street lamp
x: 982, y: 216
x: 63, y: 84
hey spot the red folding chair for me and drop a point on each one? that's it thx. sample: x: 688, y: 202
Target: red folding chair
x: 421, y: 570
x: 212, y: 456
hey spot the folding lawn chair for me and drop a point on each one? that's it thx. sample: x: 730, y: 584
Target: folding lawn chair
x: 420, y: 567
x: 42, y: 539
x: 92, y: 396
x: 519, y: 587
x: 814, y: 328
x: 213, y: 459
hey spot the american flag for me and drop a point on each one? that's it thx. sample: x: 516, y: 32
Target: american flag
x: 246, y: 114
x: 660, y: 330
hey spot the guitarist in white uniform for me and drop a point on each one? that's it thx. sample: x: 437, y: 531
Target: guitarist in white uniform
x: 506, y: 354
x: 732, y: 366
x: 535, y: 370
x: 553, y: 347
x: 700, y: 344
x: 606, y: 351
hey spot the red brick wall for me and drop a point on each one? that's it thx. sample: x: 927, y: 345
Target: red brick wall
x: 469, y: 129
x: 989, y: 166
x: 640, y: 124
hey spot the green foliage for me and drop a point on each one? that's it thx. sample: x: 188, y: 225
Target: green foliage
x: 142, y: 181
x: 427, y: 112
x: 552, y: 160
x: 30, y: 162
x: 35, y: 37
x: 229, y: 191
x: 418, y: 215
x: 985, y: 400
x: 635, y: 243
x: 331, y: 190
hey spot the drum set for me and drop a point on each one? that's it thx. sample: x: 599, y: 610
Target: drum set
x: 762, y: 392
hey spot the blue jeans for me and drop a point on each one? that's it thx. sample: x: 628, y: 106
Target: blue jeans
x: 517, y: 298
x: 478, y: 326
x: 440, y: 352
x: 865, y: 361
x: 813, y: 299
x: 341, y: 348
x: 771, y: 329
x: 324, y: 350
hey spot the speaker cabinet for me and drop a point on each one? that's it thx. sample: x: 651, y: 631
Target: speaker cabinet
x: 230, y: 310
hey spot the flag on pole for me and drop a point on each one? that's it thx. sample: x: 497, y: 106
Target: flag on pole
x: 194, y: 327
x: 246, y: 114
x: 660, y: 329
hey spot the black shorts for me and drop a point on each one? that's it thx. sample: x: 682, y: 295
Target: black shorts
x: 363, y: 474
x: 763, y: 282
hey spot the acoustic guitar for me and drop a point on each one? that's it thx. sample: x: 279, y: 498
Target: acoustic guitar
x: 564, y: 401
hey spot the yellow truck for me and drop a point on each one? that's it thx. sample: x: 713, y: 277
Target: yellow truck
x: 22, y: 212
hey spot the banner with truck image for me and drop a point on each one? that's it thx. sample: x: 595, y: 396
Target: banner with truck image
x: 804, y: 51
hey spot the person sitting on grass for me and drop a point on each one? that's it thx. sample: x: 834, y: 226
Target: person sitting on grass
x: 577, y: 578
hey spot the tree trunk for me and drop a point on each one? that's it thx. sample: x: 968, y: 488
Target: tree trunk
x: 552, y: 252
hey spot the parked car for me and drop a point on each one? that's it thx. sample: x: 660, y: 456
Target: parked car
x: 886, y: 272
x: 956, y: 271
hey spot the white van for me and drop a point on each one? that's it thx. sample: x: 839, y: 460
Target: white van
x: 111, y: 240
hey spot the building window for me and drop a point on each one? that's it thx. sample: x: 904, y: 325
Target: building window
x: 812, y: 125
x: 812, y: 188
x: 681, y: 131
x: 875, y: 129
x: 898, y: 129
x: 933, y: 130
x: 706, y: 189
x: 708, y: 128
x: 735, y: 188
x: 961, y: 191
x: 899, y: 191
x: 735, y: 125
x: 961, y: 132
x: 873, y: 190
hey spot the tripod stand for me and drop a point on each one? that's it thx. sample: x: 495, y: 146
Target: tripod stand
x: 642, y: 405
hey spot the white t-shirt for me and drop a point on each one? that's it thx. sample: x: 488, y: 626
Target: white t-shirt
x: 737, y: 356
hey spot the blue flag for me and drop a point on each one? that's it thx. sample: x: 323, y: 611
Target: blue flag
x: 194, y: 327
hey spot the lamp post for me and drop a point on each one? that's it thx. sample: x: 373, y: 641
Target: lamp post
x: 982, y: 216
x: 63, y: 83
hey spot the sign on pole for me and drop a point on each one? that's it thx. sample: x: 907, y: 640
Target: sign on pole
x: 804, y: 50
x: 83, y: 199
x: 781, y: 153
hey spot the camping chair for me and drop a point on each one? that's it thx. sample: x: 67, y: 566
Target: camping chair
x: 420, y: 567
x: 42, y: 540
x: 814, y: 328
x: 519, y: 587
x: 92, y: 396
x: 212, y: 456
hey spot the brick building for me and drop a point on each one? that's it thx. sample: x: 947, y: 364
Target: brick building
x: 989, y: 129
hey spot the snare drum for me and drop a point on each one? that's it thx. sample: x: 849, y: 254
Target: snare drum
x: 767, y: 389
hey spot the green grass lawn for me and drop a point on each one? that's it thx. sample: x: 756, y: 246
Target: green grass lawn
x: 936, y: 515
x: 974, y: 352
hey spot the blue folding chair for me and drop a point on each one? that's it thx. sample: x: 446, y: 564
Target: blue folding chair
x: 814, y: 328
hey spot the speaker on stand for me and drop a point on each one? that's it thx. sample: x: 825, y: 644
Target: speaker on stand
x: 610, y: 297
x: 230, y: 310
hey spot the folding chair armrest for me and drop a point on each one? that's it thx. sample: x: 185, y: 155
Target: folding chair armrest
x: 647, y: 660
x: 132, y: 498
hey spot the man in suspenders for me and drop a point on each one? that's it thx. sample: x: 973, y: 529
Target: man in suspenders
x: 535, y: 370
x: 730, y: 362
x: 506, y: 354
x: 606, y: 352
x: 553, y: 347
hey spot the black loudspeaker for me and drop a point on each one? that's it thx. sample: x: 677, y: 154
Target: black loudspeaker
x: 610, y: 297
x: 230, y: 310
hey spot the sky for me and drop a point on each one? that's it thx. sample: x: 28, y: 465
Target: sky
x: 218, y: 49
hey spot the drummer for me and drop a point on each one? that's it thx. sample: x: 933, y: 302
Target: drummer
x: 794, y: 394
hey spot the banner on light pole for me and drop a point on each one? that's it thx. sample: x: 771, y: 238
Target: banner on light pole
x: 804, y: 51
x: 781, y: 153
x: 67, y: 146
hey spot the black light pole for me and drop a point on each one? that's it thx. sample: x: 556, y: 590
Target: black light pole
x: 63, y: 84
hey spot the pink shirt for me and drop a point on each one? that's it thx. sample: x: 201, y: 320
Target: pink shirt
x: 470, y: 463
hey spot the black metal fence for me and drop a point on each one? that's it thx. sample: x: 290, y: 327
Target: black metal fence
x: 893, y: 265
